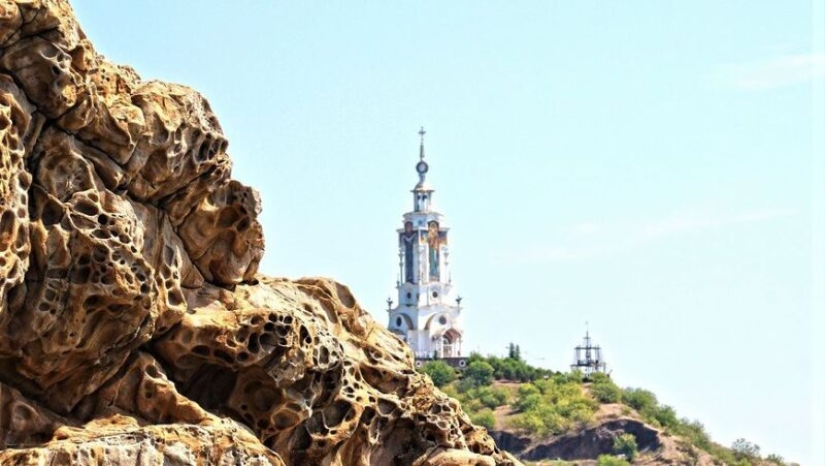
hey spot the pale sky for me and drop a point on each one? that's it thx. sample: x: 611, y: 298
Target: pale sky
x: 645, y: 166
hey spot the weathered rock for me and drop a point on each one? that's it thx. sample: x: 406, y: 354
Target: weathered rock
x: 222, y: 237
x: 16, y: 125
x: 134, y: 328
x: 316, y: 378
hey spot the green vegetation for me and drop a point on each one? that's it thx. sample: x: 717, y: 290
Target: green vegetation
x: 512, y: 367
x: 552, y: 463
x: 439, y: 371
x: 553, y: 406
x: 604, y: 390
x: 744, y: 449
x: 478, y: 374
x: 607, y: 460
x: 544, y: 403
x: 625, y: 445
x: 484, y: 418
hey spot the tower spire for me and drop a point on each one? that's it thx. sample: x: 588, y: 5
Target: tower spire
x: 421, y: 133
x: 421, y: 168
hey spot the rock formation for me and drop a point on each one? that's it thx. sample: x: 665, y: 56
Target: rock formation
x: 134, y: 326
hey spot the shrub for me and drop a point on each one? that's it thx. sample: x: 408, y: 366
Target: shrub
x: 666, y: 417
x: 528, y: 389
x: 439, y: 371
x: 625, y: 444
x: 452, y: 392
x: 744, y: 449
x: 607, y: 460
x: 553, y: 421
x: 529, y: 403
x: 492, y: 397
x: 600, y: 377
x: 484, y: 418
x: 472, y: 405
x: 606, y: 392
x: 530, y: 422
x: 511, y: 367
x: 641, y: 400
x: 694, y: 432
x: 579, y: 413
x: 574, y: 376
x: 479, y: 373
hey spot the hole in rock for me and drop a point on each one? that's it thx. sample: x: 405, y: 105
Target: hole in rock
x: 267, y: 339
x: 285, y: 419
x: 86, y: 208
x: 224, y: 356
x: 211, y: 386
x: 335, y: 413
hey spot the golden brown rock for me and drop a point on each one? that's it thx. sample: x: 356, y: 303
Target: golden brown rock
x: 15, y: 126
x: 134, y: 328
x: 222, y: 237
x: 315, y: 377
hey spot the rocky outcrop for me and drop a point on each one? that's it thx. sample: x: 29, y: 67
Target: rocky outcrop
x: 134, y: 328
x: 581, y: 445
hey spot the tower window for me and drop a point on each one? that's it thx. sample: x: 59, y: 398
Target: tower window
x: 442, y: 320
x: 398, y: 322
x: 435, y: 294
x: 409, y: 295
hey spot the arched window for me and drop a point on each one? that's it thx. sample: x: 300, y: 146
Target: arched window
x: 446, y: 347
x: 398, y: 321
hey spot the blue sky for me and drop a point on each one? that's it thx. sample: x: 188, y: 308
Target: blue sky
x: 644, y: 166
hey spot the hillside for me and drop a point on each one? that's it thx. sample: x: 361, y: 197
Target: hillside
x: 546, y: 417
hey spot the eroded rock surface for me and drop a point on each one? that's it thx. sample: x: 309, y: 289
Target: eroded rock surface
x: 134, y: 328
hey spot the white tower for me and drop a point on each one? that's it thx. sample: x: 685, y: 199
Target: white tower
x: 428, y: 314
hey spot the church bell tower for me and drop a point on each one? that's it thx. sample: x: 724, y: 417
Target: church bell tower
x: 428, y: 313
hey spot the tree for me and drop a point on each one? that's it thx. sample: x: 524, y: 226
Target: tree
x: 625, y: 444
x: 439, y: 371
x: 514, y: 352
x: 479, y: 373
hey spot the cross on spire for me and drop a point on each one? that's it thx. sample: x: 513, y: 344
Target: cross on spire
x: 421, y: 133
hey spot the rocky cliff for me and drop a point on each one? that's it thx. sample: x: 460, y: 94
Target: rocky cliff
x: 135, y: 328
